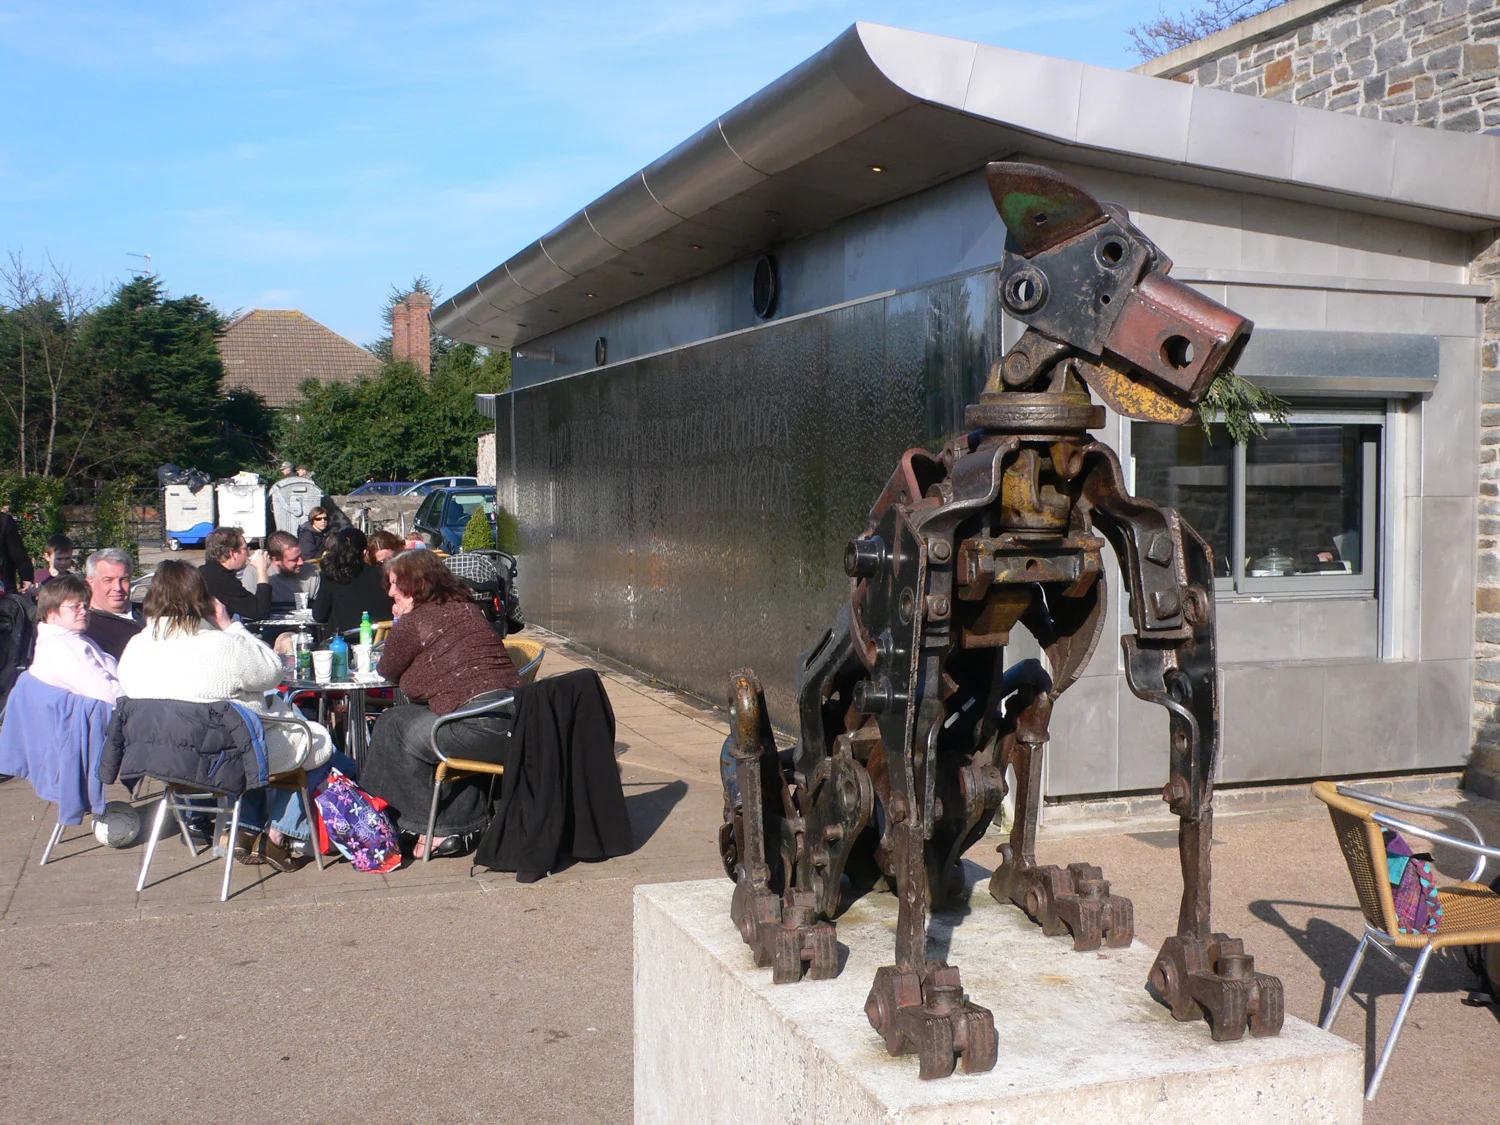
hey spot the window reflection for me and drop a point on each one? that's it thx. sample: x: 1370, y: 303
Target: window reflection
x: 1303, y: 501
x: 1177, y: 467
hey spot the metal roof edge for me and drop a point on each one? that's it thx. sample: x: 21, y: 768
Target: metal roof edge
x: 872, y: 71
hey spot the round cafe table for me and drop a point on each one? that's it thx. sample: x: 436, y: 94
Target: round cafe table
x: 355, y: 688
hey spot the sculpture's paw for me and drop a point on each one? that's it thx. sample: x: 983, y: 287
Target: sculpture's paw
x: 1074, y: 901
x: 1216, y: 980
x: 785, y: 934
x: 927, y: 1012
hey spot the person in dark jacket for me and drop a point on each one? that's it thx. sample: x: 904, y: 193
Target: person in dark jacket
x: 202, y: 745
x: 112, y: 619
x: 227, y: 554
x: 16, y: 571
x: 349, y: 587
x: 312, y: 536
x: 444, y: 654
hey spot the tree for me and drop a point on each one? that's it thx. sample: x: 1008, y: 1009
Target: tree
x: 44, y: 377
x: 158, y: 358
x: 1168, y: 32
x: 479, y: 533
x: 394, y: 425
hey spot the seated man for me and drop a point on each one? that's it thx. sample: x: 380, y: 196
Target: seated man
x: 290, y: 575
x: 59, y: 555
x: 112, y: 619
x: 226, y: 554
x: 64, y: 657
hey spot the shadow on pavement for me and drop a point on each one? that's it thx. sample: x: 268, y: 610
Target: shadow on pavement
x: 649, y: 810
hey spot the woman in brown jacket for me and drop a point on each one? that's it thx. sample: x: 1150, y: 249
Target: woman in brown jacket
x: 444, y: 655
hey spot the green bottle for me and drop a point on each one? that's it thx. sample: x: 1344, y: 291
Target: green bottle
x: 366, y: 630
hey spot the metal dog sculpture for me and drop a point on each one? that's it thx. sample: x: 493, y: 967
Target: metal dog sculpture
x: 907, y: 716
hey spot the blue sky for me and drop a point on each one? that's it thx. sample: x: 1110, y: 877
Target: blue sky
x: 311, y: 154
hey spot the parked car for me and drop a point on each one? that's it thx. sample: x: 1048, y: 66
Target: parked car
x: 423, y: 487
x: 382, y: 488
x: 445, y: 513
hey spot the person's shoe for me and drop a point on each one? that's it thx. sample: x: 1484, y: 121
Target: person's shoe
x: 248, y: 849
x: 276, y: 856
x: 456, y: 845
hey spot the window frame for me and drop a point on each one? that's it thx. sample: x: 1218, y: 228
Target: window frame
x: 1364, y: 584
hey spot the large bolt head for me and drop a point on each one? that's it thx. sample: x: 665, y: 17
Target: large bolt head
x: 863, y: 558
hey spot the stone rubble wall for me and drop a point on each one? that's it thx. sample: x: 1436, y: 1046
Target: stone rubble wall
x: 1436, y: 64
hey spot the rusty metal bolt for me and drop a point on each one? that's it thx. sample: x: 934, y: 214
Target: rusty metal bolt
x: 1195, y: 605
x: 939, y: 550
x: 938, y: 607
x: 1175, y: 792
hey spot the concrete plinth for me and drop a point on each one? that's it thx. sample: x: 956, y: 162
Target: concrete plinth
x: 1081, y: 1041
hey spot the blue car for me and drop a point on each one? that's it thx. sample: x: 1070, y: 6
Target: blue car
x: 382, y: 488
x: 445, y: 513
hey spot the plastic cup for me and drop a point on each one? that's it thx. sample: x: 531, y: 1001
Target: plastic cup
x: 322, y: 666
x: 300, y: 601
x: 364, y: 658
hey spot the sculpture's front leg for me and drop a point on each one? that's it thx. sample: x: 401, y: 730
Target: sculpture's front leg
x: 1170, y: 661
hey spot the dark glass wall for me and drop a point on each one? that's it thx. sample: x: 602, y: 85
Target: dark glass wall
x: 687, y: 512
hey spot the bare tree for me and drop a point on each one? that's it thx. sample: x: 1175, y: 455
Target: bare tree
x: 40, y: 360
x: 1168, y: 32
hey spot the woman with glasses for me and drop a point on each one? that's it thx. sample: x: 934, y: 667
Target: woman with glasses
x: 64, y: 657
x: 312, y: 536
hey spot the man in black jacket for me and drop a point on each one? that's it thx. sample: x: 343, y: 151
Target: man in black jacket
x: 16, y: 571
x: 112, y: 619
x: 227, y: 554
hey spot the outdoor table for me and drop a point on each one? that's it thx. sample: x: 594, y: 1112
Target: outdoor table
x: 279, y: 622
x: 357, y: 739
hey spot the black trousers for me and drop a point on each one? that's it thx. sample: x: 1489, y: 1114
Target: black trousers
x: 400, y: 767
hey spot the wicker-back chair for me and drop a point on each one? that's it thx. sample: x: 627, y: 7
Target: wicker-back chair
x: 526, y: 655
x: 1470, y: 910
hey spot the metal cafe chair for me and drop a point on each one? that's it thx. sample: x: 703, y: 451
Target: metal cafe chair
x: 182, y: 799
x: 527, y: 656
x: 1471, y: 911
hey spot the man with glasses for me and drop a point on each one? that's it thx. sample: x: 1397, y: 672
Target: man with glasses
x: 312, y: 537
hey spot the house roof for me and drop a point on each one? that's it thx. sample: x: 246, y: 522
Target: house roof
x: 801, y: 154
x: 274, y: 351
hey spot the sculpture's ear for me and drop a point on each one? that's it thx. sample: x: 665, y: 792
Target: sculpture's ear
x: 1040, y: 208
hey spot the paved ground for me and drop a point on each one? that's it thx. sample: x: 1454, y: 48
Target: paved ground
x: 430, y: 995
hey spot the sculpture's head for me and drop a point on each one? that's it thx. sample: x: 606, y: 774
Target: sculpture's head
x: 1079, y: 273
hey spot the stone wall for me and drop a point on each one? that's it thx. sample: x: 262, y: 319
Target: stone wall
x: 1430, y: 63
x: 1415, y: 62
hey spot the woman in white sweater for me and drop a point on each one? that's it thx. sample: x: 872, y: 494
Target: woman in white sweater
x: 192, y: 650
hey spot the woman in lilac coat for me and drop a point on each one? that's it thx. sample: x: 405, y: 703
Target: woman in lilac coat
x: 64, y: 657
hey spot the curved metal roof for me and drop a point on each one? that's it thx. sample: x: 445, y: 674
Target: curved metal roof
x: 799, y: 155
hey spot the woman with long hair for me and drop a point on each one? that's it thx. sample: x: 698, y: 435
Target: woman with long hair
x: 350, y: 586
x: 193, y: 650
x: 445, y: 656
x: 384, y: 546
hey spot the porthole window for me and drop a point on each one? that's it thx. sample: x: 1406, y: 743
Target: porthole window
x: 764, y: 288
x: 601, y: 352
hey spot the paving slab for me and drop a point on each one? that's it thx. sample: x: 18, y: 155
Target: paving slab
x: 437, y: 996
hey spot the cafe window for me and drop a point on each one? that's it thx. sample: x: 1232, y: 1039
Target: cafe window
x: 1293, y: 512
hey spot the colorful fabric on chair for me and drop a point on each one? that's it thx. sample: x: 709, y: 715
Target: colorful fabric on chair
x: 1413, y: 886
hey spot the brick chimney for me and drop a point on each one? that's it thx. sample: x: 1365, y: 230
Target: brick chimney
x: 411, y: 331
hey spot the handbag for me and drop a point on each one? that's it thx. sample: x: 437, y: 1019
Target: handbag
x: 355, y: 823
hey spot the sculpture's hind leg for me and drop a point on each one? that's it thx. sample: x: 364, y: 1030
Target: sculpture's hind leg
x: 1075, y: 900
